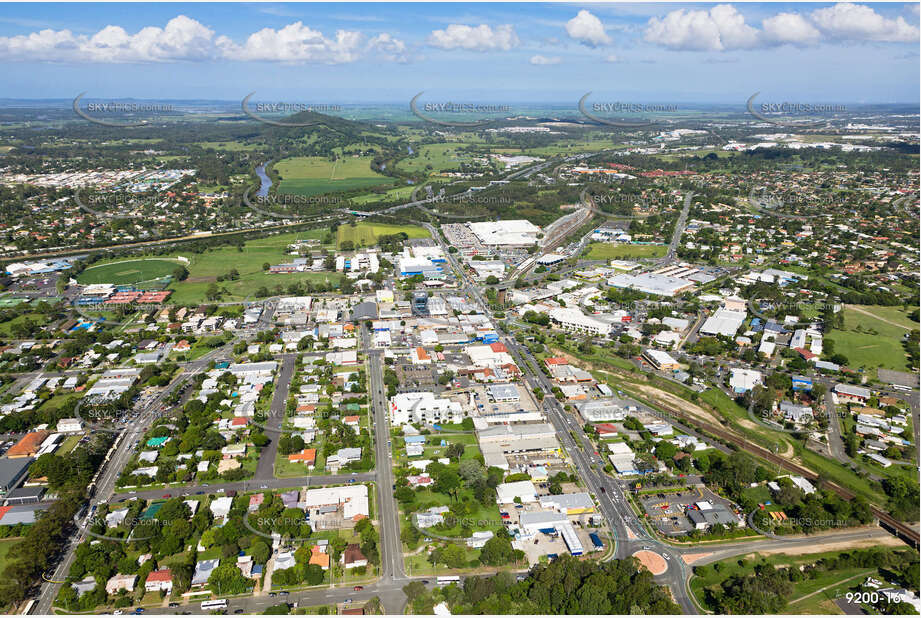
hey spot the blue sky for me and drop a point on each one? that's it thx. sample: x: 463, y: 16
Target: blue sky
x: 508, y: 52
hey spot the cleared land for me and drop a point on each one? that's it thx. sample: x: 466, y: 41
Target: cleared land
x: 128, y: 272
x: 366, y: 234
x: 608, y: 251
x: 319, y: 175
x: 872, y: 337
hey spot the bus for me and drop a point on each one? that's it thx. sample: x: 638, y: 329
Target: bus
x: 899, y: 387
x: 216, y: 604
x: 447, y: 579
x: 28, y: 607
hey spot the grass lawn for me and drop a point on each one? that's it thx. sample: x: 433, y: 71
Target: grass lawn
x: 366, y: 234
x: 5, y: 546
x: 68, y: 444
x: 872, y: 337
x: 730, y: 567
x: 205, y: 267
x: 127, y: 272
x: 608, y: 251
x: 5, y: 327
x: 318, y: 175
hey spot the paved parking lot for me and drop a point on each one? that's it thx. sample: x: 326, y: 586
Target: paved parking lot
x: 666, y: 510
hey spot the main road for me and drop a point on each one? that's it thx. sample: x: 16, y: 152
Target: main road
x: 392, y: 568
x: 120, y: 453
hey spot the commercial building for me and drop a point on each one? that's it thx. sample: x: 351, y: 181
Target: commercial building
x: 660, y: 360
x: 724, y: 322
x: 523, y: 490
x: 511, y: 233
x: 849, y: 392
x: 569, y: 504
x: 743, y: 380
x: 601, y: 410
x: 548, y: 522
x: 651, y: 283
x: 576, y: 321
x: 424, y: 408
x: 28, y: 445
x: 12, y: 471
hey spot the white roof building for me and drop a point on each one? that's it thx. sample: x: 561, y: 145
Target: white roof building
x: 524, y: 490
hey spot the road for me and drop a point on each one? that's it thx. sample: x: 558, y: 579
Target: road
x: 266, y: 467
x: 671, y: 254
x: 392, y: 567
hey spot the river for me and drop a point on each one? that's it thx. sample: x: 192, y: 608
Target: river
x: 265, y: 181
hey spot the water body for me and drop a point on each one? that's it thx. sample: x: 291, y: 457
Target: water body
x: 265, y: 181
x: 410, y: 149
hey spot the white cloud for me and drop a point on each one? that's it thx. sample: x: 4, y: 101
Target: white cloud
x: 542, y: 60
x: 475, y: 38
x: 181, y: 39
x: 857, y: 22
x: 790, y: 28
x: 611, y: 58
x: 295, y: 43
x: 184, y: 39
x: 721, y: 28
x: 386, y: 47
x: 914, y: 8
x: 587, y: 29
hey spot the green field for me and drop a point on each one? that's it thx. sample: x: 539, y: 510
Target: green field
x: 205, y: 267
x: 366, y: 234
x: 319, y: 175
x: 393, y: 194
x: 607, y: 251
x: 870, y: 342
x: 434, y: 158
x: 128, y: 272
x: 5, y: 546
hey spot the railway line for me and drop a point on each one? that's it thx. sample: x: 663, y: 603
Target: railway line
x: 887, y: 521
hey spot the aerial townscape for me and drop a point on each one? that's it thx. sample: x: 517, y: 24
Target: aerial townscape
x: 459, y: 308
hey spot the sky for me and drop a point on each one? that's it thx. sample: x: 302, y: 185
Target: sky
x: 488, y: 52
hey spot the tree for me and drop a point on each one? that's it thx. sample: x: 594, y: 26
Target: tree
x: 227, y: 579
x: 447, y: 482
x: 453, y: 556
x: 455, y: 451
x: 261, y: 552
x: 497, y: 551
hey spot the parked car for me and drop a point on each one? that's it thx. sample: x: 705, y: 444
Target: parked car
x: 358, y: 588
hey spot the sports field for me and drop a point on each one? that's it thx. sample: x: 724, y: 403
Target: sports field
x: 319, y: 175
x: 872, y: 337
x: 366, y: 234
x: 204, y: 269
x: 127, y: 272
x: 608, y: 251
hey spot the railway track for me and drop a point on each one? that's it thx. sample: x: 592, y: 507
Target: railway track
x: 887, y: 521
